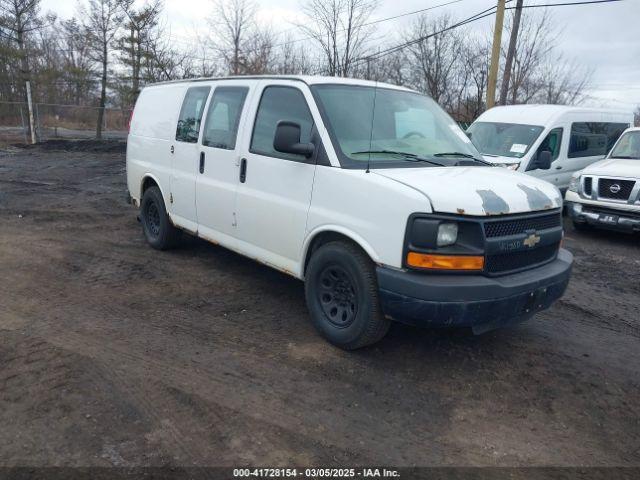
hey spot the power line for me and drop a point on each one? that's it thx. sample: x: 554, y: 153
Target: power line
x: 567, y: 4
x: 478, y: 16
x: 381, y: 20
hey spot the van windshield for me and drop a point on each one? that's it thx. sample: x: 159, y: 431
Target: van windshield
x: 504, y: 139
x: 628, y: 146
x: 383, y: 127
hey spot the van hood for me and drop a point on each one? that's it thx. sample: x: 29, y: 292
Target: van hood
x: 477, y: 191
x: 614, y: 167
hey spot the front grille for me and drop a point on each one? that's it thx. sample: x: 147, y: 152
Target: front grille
x: 621, y: 188
x: 506, y: 262
x: 588, y: 186
x: 504, y: 228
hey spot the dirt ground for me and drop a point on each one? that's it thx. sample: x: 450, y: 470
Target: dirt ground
x: 114, y: 354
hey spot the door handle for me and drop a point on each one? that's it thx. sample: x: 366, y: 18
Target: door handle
x: 558, y: 168
x: 243, y: 170
x: 201, y: 162
x: 172, y: 149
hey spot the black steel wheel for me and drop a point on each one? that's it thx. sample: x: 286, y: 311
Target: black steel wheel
x: 341, y: 289
x: 337, y: 295
x: 156, y: 225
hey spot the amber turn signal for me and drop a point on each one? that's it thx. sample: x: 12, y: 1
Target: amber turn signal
x: 445, y: 262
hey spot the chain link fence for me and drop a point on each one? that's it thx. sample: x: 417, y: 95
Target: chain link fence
x: 53, y: 121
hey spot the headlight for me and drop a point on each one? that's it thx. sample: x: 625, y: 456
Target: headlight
x: 512, y: 166
x: 573, y: 184
x: 447, y: 234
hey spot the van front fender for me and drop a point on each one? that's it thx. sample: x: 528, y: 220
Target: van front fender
x: 340, y: 232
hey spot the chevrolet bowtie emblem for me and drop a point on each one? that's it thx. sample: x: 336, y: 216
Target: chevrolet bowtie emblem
x: 532, y: 240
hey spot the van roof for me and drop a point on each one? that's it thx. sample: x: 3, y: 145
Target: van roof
x: 308, y: 79
x: 542, y: 114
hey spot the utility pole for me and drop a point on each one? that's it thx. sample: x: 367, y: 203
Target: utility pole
x: 30, y: 105
x: 511, y: 52
x: 495, y: 55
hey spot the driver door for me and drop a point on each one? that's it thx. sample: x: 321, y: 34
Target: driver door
x: 274, y: 192
x: 558, y: 174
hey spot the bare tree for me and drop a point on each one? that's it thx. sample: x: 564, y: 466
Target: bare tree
x: 101, y: 25
x: 436, y: 59
x: 292, y: 58
x: 77, y: 65
x: 135, y: 44
x: 339, y: 28
x: 18, y: 19
x: 562, y: 82
x: 637, y: 116
x: 536, y: 41
x: 234, y: 22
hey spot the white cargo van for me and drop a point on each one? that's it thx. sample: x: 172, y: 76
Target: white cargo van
x: 368, y: 192
x: 607, y: 193
x: 515, y: 135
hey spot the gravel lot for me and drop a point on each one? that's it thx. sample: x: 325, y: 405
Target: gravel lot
x: 112, y: 353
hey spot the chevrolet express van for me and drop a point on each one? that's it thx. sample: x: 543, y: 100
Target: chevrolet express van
x: 369, y: 193
x: 514, y: 136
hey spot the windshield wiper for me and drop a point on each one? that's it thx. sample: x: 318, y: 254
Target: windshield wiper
x: 392, y: 152
x: 463, y: 155
x: 411, y: 157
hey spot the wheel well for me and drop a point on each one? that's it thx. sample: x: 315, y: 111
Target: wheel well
x: 323, y: 238
x: 147, y: 183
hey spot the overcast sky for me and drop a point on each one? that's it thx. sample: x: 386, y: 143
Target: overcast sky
x: 604, y: 37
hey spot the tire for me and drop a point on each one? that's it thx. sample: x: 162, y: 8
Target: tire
x: 341, y: 291
x: 158, y: 229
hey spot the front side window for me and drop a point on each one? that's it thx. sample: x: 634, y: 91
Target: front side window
x: 223, y: 117
x: 280, y: 103
x: 504, y: 139
x: 628, y: 146
x: 552, y: 143
x: 384, y: 127
x: 188, y: 127
x: 594, y: 139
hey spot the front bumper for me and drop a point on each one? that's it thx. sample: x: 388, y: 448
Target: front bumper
x: 604, y: 217
x: 475, y: 301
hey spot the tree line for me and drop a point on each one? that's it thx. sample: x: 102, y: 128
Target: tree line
x: 110, y: 49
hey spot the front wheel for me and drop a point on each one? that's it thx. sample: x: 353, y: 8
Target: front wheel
x: 341, y: 290
x: 156, y: 225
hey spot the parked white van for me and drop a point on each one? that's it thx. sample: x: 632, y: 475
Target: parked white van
x: 515, y: 135
x: 368, y: 192
x: 607, y: 193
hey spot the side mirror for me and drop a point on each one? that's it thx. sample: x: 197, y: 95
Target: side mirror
x: 543, y: 160
x: 287, y: 139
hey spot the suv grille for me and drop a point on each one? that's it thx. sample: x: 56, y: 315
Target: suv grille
x: 615, y: 189
x: 504, y: 228
x: 506, y: 262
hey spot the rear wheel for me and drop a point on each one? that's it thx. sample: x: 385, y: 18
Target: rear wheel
x: 341, y: 290
x: 158, y: 229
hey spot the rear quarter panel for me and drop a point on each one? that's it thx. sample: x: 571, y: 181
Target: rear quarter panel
x: 152, y: 132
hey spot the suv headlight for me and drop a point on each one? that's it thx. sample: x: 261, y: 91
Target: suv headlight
x: 574, y: 183
x: 447, y: 234
x: 512, y: 166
